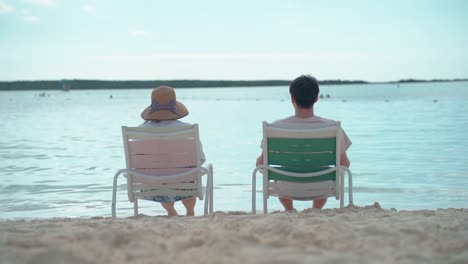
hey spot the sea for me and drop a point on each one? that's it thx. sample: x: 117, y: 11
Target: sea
x: 59, y: 150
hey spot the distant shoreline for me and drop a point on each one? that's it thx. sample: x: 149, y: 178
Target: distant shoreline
x: 77, y: 84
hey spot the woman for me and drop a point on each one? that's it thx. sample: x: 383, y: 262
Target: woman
x: 165, y: 111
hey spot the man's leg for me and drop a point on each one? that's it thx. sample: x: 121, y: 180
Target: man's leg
x: 287, y: 203
x: 169, y: 206
x: 189, y: 204
x: 319, y: 203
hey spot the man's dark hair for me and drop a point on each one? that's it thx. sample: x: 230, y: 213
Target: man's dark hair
x: 304, y: 89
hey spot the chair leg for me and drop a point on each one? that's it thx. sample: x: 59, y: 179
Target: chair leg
x: 208, y: 203
x: 266, y: 192
x: 135, y: 207
x: 211, y: 188
x: 254, y: 191
x: 207, y: 195
x: 342, y: 191
x: 350, y: 186
x: 114, y: 192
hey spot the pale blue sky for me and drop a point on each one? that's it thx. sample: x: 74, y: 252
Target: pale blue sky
x: 236, y: 40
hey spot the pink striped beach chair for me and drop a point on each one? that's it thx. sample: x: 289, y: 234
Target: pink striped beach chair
x: 164, y: 161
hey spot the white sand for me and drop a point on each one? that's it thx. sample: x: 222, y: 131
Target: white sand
x: 352, y: 235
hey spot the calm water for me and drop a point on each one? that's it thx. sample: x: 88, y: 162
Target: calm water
x: 58, y: 153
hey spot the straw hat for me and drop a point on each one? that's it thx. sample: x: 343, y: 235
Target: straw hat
x: 164, y: 105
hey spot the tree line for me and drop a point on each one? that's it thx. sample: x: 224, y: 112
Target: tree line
x: 101, y: 84
x: 76, y: 84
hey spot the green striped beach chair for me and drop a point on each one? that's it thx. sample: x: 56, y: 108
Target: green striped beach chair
x: 164, y: 161
x: 301, y: 162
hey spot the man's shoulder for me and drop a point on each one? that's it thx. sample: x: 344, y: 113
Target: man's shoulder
x: 324, y: 120
x: 294, y: 119
x: 284, y: 120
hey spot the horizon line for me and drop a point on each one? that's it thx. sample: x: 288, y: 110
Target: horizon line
x: 238, y: 80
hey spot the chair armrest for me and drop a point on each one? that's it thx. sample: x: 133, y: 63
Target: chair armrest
x: 151, y: 177
x: 294, y: 174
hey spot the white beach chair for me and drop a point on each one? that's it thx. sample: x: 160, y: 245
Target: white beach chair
x: 164, y: 161
x: 301, y: 162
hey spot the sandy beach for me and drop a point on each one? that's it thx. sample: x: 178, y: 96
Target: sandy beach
x: 366, y: 234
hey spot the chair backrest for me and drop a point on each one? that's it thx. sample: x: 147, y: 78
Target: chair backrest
x: 301, y: 148
x: 161, y: 151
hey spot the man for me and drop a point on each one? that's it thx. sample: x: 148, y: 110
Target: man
x: 304, y: 92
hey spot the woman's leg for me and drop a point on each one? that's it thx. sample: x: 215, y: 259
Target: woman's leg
x: 169, y: 206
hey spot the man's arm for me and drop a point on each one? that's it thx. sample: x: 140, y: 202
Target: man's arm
x: 259, y: 160
x: 344, y: 160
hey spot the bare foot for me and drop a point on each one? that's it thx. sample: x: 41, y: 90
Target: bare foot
x: 172, y: 213
x: 190, y: 213
x: 319, y: 203
x: 169, y: 206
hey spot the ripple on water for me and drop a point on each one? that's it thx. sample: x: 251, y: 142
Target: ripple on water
x: 409, y: 190
x: 64, y: 156
x: 13, y: 168
x: 46, y: 188
x: 232, y: 184
x: 21, y: 156
x: 22, y: 146
x: 25, y: 207
x: 46, y: 181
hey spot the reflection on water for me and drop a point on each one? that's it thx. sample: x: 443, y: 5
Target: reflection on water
x: 58, y: 153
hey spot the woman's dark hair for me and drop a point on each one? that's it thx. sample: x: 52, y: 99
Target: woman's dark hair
x: 305, y: 90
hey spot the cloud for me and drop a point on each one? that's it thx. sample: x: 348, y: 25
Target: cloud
x: 5, y: 8
x: 291, y: 6
x: 41, y: 2
x: 139, y: 33
x: 29, y: 17
x: 32, y: 19
x: 89, y: 8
